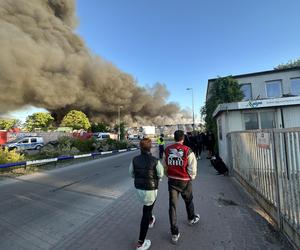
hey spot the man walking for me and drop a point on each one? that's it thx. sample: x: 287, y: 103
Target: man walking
x: 210, y: 140
x: 161, y: 145
x: 181, y: 167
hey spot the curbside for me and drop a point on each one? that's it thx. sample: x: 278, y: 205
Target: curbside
x: 62, y: 158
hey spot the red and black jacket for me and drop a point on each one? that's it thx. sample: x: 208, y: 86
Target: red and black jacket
x: 177, y: 161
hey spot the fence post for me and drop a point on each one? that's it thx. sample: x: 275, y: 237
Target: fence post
x: 230, y: 155
x: 277, y: 182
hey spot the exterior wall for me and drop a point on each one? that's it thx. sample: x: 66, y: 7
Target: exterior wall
x: 233, y: 121
x: 47, y: 136
x: 258, y: 83
x: 3, y: 137
x: 222, y: 119
x: 230, y: 121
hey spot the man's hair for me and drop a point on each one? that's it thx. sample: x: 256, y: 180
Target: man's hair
x: 145, y: 144
x: 178, y: 135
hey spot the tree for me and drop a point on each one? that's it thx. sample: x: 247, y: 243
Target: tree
x: 7, y: 124
x: 76, y: 119
x: 223, y: 90
x: 290, y: 64
x: 99, y: 127
x: 122, y: 130
x: 41, y: 120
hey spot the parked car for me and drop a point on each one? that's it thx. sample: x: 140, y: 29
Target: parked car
x: 26, y: 143
x: 101, y: 136
x: 133, y: 137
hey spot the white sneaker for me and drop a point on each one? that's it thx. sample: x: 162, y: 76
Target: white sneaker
x: 175, y: 238
x: 146, y: 245
x: 195, y: 220
x: 151, y: 224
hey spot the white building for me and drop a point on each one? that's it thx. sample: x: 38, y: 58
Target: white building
x: 272, y: 100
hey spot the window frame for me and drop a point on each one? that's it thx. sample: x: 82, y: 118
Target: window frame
x: 291, y: 79
x: 25, y: 141
x: 250, y: 112
x: 267, y: 111
x: 258, y: 113
x: 273, y: 81
x: 251, y: 94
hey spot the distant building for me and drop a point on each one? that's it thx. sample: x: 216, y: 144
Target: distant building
x: 272, y: 100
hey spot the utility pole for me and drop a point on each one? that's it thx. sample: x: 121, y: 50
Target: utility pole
x: 192, y: 107
x: 119, y: 122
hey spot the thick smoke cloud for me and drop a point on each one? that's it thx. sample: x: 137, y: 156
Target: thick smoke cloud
x: 45, y: 64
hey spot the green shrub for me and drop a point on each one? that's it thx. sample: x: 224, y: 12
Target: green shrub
x: 65, y: 142
x: 7, y: 156
x: 84, y: 146
x: 64, y: 146
x: 73, y: 146
x: 111, y: 144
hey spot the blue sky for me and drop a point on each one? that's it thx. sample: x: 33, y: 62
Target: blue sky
x: 184, y: 43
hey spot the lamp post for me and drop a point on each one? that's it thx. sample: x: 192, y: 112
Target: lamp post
x: 192, y: 107
x: 119, y: 121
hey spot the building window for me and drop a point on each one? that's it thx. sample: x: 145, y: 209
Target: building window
x: 267, y: 119
x: 247, y: 91
x: 295, y: 86
x: 251, y: 121
x: 274, y: 89
x: 219, y: 121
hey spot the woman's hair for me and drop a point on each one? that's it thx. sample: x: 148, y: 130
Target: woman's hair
x: 145, y: 144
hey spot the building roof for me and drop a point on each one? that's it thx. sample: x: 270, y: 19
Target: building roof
x: 261, y: 73
x: 253, y: 74
x: 257, y: 104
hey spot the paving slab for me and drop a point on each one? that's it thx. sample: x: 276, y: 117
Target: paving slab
x: 230, y: 219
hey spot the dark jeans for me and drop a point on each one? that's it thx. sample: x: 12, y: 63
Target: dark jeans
x: 199, y: 149
x: 147, y: 216
x: 177, y: 187
x: 161, y: 151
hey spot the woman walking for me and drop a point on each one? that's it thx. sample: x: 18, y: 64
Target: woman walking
x: 146, y: 171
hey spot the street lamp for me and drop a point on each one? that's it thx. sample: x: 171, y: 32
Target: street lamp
x: 119, y: 121
x: 192, y: 107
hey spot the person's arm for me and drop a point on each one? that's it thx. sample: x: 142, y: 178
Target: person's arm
x: 192, y: 165
x: 164, y: 164
x: 159, y: 170
x: 131, y: 172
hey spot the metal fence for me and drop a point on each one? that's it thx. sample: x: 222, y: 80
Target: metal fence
x: 269, y: 162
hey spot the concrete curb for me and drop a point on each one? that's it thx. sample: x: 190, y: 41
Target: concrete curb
x: 62, y: 158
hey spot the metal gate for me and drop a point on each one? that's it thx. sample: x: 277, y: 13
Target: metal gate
x: 269, y: 162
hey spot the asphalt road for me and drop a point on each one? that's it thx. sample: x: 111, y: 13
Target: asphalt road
x: 38, y: 211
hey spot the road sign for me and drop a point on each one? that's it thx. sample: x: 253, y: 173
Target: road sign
x: 263, y: 140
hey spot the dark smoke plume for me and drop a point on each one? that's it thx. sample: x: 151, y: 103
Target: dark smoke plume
x: 45, y: 64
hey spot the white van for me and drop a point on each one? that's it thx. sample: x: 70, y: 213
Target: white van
x: 133, y: 137
x: 25, y: 143
x: 101, y: 136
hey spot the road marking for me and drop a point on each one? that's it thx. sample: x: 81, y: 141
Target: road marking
x: 81, y: 156
x: 41, y: 161
x: 106, y: 152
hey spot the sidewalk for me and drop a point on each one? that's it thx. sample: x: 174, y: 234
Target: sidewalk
x: 229, y: 220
